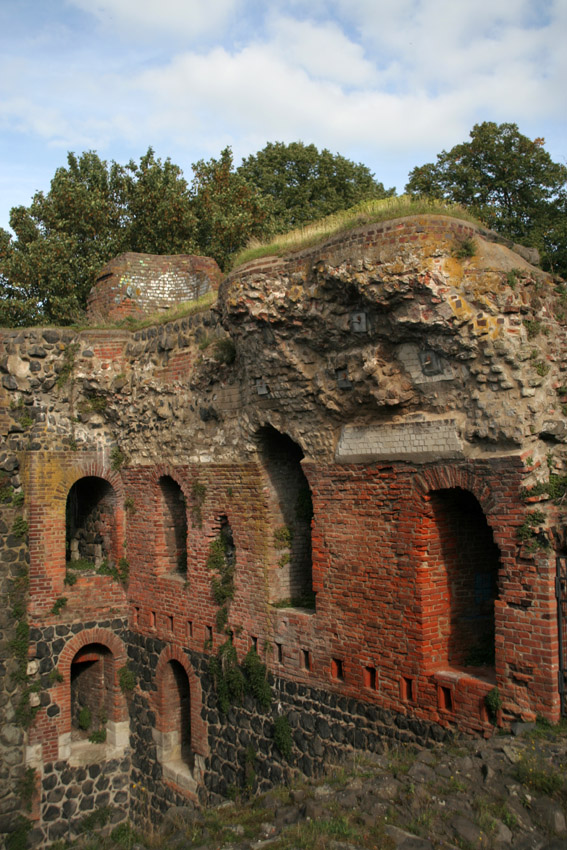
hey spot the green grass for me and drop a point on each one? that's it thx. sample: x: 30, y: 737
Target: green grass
x: 367, y: 212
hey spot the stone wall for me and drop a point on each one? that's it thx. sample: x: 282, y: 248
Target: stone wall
x: 402, y: 384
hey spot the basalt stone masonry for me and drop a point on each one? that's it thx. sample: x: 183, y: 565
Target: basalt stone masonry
x: 350, y: 469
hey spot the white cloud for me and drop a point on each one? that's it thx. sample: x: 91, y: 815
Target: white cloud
x: 187, y: 19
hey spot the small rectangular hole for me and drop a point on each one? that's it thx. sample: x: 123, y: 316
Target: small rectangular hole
x: 170, y: 622
x: 445, y: 698
x: 369, y: 678
x: 306, y: 659
x: 279, y: 651
x: 254, y: 643
x: 337, y: 668
x: 209, y: 635
x: 152, y: 619
x: 189, y: 628
x: 136, y: 615
x: 407, y: 689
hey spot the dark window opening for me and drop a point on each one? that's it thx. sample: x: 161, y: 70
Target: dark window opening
x: 291, y: 509
x: 445, y: 698
x: 91, y: 523
x: 407, y: 689
x: 337, y: 668
x: 369, y: 678
x: 306, y: 659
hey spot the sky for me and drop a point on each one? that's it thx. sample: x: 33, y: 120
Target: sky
x: 389, y: 83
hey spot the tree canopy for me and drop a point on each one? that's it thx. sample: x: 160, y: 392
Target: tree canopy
x: 508, y: 181
x: 95, y: 210
x: 304, y: 184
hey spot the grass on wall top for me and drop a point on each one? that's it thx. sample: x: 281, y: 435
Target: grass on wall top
x: 367, y: 212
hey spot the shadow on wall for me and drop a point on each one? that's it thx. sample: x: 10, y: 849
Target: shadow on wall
x: 291, y: 512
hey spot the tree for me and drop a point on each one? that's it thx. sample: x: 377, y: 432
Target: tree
x: 229, y: 210
x: 305, y: 184
x: 509, y: 181
x: 93, y: 211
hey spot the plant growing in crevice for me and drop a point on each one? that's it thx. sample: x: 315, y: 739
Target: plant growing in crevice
x: 282, y: 736
x: 493, y: 703
x: 225, y: 351
x: 283, y: 537
x: 117, y: 458
x: 19, y: 527
x: 68, y: 365
x: 527, y: 533
x: 126, y: 679
x: 59, y: 604
x: 257, y: 679
x: 198, y: 493
x: 465, y: 248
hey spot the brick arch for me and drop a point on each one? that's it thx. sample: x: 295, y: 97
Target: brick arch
x: 50, y: 482
x: 199, y: 729
x: 446, y: 477
x: 61, y: 692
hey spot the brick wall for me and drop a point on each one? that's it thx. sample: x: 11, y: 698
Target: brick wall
x: 138, y: 284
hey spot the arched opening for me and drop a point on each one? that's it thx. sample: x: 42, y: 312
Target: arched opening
x: 174, y: 517
x: 291, y: 507
x: 92, y: 692
x: 177, y: 751
x: 463, y: 562
x: 91, y: 522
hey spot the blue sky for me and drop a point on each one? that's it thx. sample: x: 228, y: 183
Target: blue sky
x: 389, y: 83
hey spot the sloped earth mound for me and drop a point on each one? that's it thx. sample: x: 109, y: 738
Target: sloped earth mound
x: 507, y: 792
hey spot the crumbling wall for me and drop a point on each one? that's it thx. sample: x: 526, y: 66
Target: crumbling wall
x: 400, y: 369
x: 134, y: 285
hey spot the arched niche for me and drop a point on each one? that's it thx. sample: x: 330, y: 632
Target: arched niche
x: 172, y: 545
x: 463, y: 562
x: 291, y: 511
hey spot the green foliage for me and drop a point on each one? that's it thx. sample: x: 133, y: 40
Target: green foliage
x: 84, y: 718
x: 509, y: 181
x: 228, y: 677
x: 225, y: 350
x: 465, y: 249
x: 302, y: 184
x: 129, y: 505
x: 305, y: 601
x: 533, y: 327
x: 95, y: 820
x: 17, y: 839
x: 230, y: 210
x: 493, y: 703
x: 18, y: 499
x: 126, y: 679
x: 68, y: 364
x: 282, y: 736
x: 117, y: 458
x: 527, y: 534
x: 535, y: 774
x: 19, y: 527
x: 257, y: 679
x: 512, y: 278
x: 93, y: 211
x: 59, y: 604
x: 283, y: 537
x: 55, y: 675
x: 250, y: 768
x: 98, y: 736
x: 25, y: 787
x: 198, y: 493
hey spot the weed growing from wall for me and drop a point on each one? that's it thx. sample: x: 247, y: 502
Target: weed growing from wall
x: 465, y: 249
x: 126, y: 679
x: 528, y: 535
x: 493, y: 703
x: 117, y: 458
x: 282, y: 736
x: 198, y: 493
